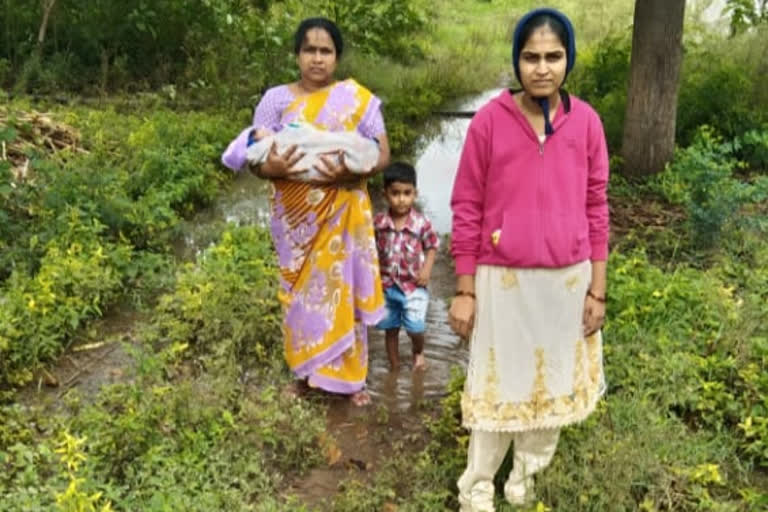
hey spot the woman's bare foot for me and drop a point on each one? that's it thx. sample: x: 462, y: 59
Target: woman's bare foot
x: 360, y: 398
x: 419, y: 363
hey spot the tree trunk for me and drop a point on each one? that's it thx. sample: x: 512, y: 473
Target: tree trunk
x: 47, y: 8
x: 104, y: 70
x: 648, y: 142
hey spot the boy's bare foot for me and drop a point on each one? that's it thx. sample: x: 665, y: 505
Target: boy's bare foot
x: 360, y: 398
x: 419, y: 363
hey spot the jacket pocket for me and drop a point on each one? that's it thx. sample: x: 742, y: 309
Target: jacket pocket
x: 515, y: 239
x: 541, y: 238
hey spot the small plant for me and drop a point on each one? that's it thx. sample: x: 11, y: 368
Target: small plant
x: 74, y: 498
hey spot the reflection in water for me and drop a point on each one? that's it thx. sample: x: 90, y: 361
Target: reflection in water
x: 406, y: 389
x: 244, y: 203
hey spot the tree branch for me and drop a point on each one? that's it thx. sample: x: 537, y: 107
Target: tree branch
x: 47, y: 8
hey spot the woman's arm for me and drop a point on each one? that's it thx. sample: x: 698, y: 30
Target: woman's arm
x: 594, y: 302
x: 597, y: 214
x: 467, y: 205
x: 597, y: 189
x: 384, y: 155
x: 265, y: 115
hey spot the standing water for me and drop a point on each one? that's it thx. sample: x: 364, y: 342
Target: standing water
x: 436, y: 168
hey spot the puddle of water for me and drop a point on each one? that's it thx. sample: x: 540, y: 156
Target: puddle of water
x: 406, y: 389
x: 244, y: 203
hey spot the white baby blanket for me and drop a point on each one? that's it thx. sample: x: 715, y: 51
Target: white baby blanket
x: 360, y: 153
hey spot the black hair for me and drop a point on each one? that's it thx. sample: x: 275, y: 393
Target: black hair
x: 319, y: 22
x: 541, y: 20
x: 399, y: 172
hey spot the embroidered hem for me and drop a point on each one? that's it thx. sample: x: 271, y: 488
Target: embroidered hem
x: 470, y: 422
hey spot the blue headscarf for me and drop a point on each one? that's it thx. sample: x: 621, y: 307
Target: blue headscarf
x: 570, y: 49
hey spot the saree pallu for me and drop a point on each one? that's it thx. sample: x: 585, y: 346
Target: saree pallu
x: 323, y: 236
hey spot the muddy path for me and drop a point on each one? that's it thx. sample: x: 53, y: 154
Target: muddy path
x: 99, y: 356
x: 363, y: 437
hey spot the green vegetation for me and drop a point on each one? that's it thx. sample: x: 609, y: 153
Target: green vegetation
x: 199, y: 421
x: 719, y: 86
x: 83, y: 227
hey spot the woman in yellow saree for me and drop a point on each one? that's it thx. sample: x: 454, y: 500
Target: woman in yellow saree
x: 322, y: 231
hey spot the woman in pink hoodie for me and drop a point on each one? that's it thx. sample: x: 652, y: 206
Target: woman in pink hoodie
x: 530, y: 243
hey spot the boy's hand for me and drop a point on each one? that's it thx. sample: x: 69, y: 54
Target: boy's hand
x: 424, y: 274
x: 426, y: 270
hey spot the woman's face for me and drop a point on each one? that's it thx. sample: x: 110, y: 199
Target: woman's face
x: 317, y: 57
x: 542, y: 63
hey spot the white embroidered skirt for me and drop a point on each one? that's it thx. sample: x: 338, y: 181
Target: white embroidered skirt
x: 530, y: 366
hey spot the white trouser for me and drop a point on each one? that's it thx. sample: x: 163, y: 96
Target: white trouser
x: 533, y: 452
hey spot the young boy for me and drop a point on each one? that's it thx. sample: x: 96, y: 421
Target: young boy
x: 407, y: 245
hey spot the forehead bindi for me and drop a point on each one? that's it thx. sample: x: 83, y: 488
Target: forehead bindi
x: 543, y: 40
x: 318, y: 38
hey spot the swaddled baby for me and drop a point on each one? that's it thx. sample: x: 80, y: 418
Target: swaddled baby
x: 360, y: 153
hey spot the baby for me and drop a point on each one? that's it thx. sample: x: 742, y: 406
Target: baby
x: 360, y: 154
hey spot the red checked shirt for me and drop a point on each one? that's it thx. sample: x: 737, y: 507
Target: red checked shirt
x: 401, y: 253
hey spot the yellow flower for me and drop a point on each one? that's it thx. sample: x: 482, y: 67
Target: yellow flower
x: 495, y: 236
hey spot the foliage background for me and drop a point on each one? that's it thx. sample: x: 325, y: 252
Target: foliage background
x: 155, y: 90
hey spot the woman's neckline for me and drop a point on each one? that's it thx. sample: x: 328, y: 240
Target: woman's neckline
x: 518, y: 98
x: 296, y: 89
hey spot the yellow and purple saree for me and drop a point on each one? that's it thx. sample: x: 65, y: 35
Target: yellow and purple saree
x: 323, y: 236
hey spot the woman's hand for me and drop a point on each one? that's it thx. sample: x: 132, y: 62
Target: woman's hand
x: 332, y: 172
x: 462, y: 315
x: 594, y: 315
x: 280, y: 166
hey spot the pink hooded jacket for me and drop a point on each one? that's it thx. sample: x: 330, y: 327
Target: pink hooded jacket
x: 518, y: 202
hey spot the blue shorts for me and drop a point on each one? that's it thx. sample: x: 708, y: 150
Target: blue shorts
x: 409, y: 311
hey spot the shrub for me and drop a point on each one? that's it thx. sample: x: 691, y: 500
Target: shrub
x: 79, y: 275
x: 236, y: 280
x: 601, y: 79
x: 701, y: 177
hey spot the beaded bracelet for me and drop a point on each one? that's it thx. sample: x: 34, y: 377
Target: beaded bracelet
x: 459, y: 293
x: 598, y: 299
